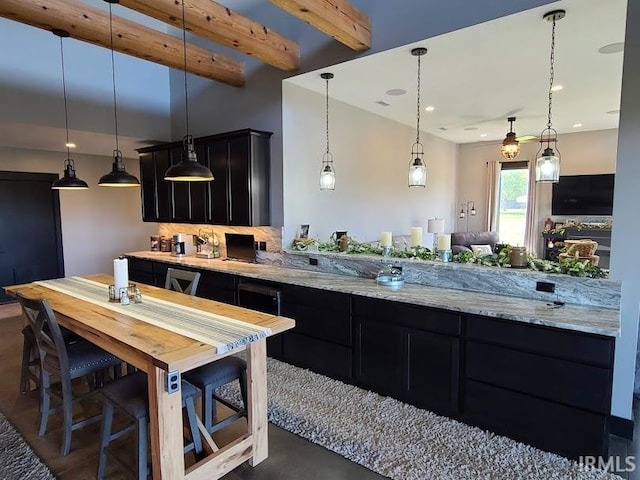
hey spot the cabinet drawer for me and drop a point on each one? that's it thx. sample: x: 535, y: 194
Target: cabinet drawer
x: 405, y: 314
x: 313, y: 297
x: 571, y: 432
x: 554, y: 342
x: 320, y: 323
x: 322, y: 357
x: 575, y: 384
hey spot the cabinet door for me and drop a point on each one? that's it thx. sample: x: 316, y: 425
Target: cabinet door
x: 218, y: 155
x: 163, y: 187
x: 200, y: 193
x: 181, y: 204
x: 239, y: 181
x: 433, y: 371
x: 379, y: 357
x: 148, y: 188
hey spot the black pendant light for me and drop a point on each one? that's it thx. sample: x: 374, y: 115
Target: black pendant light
x: 188, y: 169
x: 417, y: 168
x: 548, y: 162
x: 69, y: 181
x: 510, y: 146
x: 327, y: 173
x: 118, y: 176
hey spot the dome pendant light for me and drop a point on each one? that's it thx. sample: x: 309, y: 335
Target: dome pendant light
x: 417, y: 168
x: 548, y: 163
x: 510, y: 146
x: 118, y: 176
x: 69, y: 181
x: 188, y: 169
x: 327, y: 173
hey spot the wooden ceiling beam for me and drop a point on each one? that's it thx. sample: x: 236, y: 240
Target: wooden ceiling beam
x: 92, y: 25
x: 337, y: 18
x: 215, y: 22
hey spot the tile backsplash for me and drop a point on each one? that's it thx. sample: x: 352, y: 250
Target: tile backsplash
x: 271, y: 235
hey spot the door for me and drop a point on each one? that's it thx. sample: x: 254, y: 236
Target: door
x: 30, y: 229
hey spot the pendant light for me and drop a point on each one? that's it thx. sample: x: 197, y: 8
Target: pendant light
x: 548, y: 163
x: 510, y: 146
x: 118, y: 176
x: 327, y: 173
x: 417, y: 168
x: 69, y: 181
x: 188, y: 169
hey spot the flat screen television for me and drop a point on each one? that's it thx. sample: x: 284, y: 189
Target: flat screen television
x: 583, y: 195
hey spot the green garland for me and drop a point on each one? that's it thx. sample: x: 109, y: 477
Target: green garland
x: 570, y: 266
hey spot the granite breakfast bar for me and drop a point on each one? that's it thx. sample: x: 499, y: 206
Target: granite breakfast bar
x: 528, y: 369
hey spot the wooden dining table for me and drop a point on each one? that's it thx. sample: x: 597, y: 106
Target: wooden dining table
x: 162, y: 354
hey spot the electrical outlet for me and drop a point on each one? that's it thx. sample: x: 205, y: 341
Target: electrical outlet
x: 262, y: 246
x: 549, y: 287
x: 313, y: 261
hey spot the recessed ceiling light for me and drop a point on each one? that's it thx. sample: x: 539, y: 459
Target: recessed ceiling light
x: 444, y: 129
x: 383, y: 103
x: 526, y: 138
x: 613, y: 112
x: 577, y: 125
x: 556, y: 88
x: 394, y: 92
x: 469, y: 129
x: 430, y: 108
x: 612, y: 48
x: 70, y: 145
x: 483, y: 135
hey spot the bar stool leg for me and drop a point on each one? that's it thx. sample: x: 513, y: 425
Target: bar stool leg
x: 142, y: 438
x: 105, y: 438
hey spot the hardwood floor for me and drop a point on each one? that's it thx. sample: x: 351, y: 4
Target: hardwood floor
x: 290, y: 457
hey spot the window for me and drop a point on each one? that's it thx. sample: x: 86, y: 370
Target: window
x: 513, y: 201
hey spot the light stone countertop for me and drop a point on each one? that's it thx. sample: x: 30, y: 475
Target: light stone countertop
x: 587, y: 319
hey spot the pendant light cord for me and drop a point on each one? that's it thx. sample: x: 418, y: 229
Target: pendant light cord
x: 184, y: 48
x: 64, y: 95
x: 327, y: 111
x: 113, y: 78
x: 551, y: 70
x: 418, y: 104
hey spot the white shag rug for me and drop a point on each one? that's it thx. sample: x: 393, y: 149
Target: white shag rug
x: 17, y: 460
x: 398, y: 440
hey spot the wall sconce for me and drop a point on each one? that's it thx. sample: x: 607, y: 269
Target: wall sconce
x: 468, y: 209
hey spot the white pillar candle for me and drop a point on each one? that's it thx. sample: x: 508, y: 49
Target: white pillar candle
x: 416, y: 236
x: 385, y: 239
x: 444, y: 241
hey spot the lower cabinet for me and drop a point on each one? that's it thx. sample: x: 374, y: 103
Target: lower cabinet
x: 147, y: 271
x: 408, y: 352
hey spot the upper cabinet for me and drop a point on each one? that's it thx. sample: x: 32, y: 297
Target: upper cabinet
x: 238, y: 195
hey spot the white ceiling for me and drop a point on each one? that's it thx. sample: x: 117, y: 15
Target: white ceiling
x: 478, y: 76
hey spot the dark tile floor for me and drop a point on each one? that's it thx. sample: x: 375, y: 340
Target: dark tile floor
x: 290, y: 457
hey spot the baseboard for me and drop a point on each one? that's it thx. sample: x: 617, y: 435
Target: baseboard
x: 622, y: 427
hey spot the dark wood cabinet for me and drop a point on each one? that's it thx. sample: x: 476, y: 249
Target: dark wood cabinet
x: 409, y: 352
x: 238, y: 195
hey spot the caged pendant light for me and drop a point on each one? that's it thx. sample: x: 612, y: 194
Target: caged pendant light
x: 417, y: 168
x: 69, y: 181
x: 188, y: 169
x: 118, y: 176
x: 548, y: 162
x: 327, y: 173
x: 510, y: 146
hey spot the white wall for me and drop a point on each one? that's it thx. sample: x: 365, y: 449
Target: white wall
x: 582, y: 153
x: 97, y: 224
x: 371, y: 158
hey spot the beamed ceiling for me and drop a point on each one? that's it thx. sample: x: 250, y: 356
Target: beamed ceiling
x: 204, y: 18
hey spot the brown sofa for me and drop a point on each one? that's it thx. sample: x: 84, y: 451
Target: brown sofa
x: 462, y: 241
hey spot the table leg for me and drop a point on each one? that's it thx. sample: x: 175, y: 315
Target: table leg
x: 257, y: 399
x: 165, y: 428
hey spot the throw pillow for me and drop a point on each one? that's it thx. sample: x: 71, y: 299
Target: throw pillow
x: 481, y: 249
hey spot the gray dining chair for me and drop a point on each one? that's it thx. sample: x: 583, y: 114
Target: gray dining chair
x: 183, y: 281
x: 130, y: 395
x: 60, y: 363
